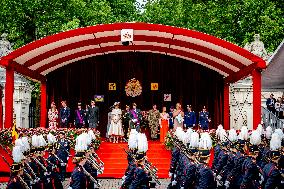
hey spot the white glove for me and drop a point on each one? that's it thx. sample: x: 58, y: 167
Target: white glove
x: 69, y: 187
x: 219, y: 177
x: 227, y: 184
x: 62, y: 164
x: 134, y: 120
x: 181, y: 187
x: 170, y: 175
x: 174, y: 183
x: 261, y: 179
x: 219, y: 183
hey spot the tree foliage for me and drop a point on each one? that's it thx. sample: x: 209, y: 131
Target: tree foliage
x: 233, y: 20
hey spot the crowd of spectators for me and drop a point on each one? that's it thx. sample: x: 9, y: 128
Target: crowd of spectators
x: 276, y: 106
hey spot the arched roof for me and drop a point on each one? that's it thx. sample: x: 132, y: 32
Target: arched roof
x: 50, y: 53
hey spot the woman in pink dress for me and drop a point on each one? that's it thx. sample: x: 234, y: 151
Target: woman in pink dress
x: 164, y: 124
x: 52, y: 117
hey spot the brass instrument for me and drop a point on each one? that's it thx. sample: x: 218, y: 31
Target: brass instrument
x: 31, y: 170
x: 40, y: 164
x: 29, y: 176
x: 149, y: 164
x: 153, y: 175
x: 94, y: 165
x: 100, y: 161
x: 90, y: 176
x: 98, y: 164
x: 23, y: 182
x: 60, y: 160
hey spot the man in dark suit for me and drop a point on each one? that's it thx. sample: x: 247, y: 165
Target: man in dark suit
x: 93, y: 115
x: 270, y: 103
x: 64, y: 114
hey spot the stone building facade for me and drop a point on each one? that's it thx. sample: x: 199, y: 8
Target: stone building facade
x: 22, y: 90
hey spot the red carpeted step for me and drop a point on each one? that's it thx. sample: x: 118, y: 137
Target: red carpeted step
x: 115, y: 161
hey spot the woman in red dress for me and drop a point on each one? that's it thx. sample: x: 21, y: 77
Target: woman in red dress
x: 164, y: 124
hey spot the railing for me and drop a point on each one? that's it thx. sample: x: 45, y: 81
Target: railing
x: 270, y: 119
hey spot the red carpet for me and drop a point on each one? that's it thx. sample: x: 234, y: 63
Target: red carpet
x: 114, y: 159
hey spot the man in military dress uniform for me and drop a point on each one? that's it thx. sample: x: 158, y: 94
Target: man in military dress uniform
x: 171, y: 120
x: 204, y: 119
x: 125, y: 121
x: 189, y: 118
x: 63, y: 152
x: 135, y: 117
x: 79, y: 116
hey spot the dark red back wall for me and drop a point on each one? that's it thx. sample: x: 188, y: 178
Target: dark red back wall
x: 189, y: 83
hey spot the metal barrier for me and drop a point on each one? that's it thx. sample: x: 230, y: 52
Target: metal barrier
x: 270, y: 119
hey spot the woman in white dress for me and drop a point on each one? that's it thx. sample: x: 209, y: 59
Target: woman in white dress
x: 178, y: 117
x: 115, y: 129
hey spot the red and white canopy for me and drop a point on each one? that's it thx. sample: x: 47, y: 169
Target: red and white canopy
x: 50, y: 53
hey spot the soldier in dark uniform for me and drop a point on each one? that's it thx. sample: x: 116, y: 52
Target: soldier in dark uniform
x: 252, y: 173
x: 171, y: 120
x: 79, y: 116
x: 53, y: 168
x: 125, y: 120
x: 89, y: 166
x: 205, y: 176
x: 234, y: 176
x: 204, y: 119
x: 189, y: 118
x: 271, y: 171
x: 187, y: 176
x: 131, y: 153
x: 63, y: 151
x: 64, y: 114
x: 173, y: 167
x: 78, y: 177
x: 129, y: 173
x: 141, y: 177
x: 44, y: 175
x: 15, y: 181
